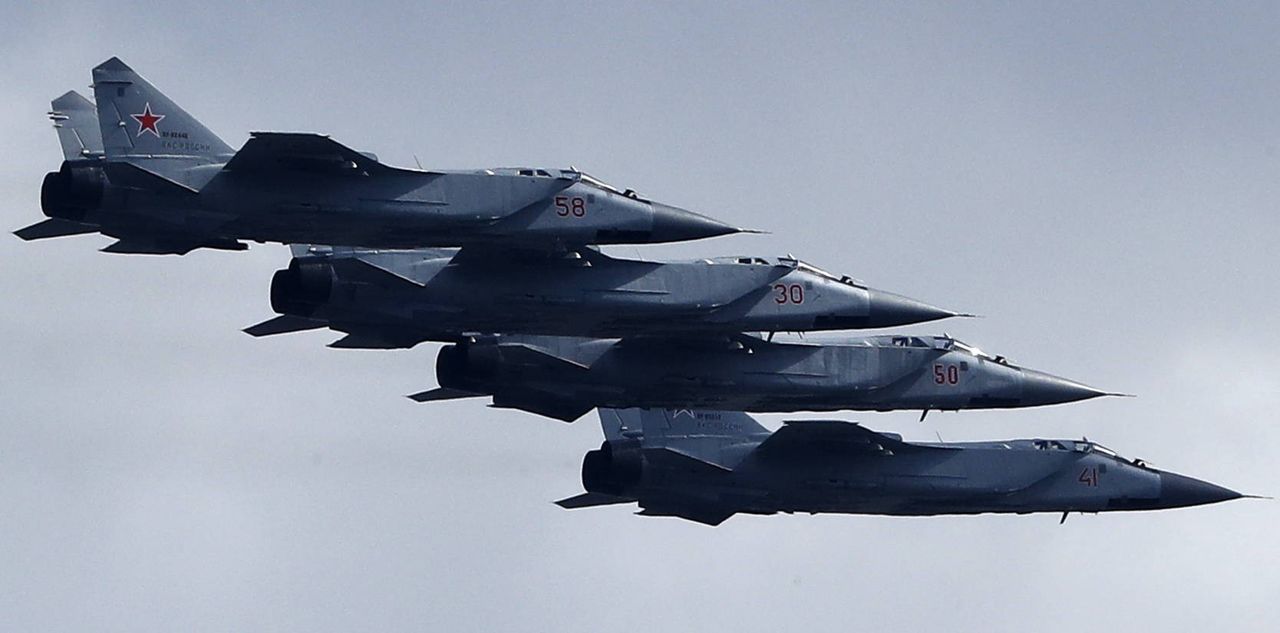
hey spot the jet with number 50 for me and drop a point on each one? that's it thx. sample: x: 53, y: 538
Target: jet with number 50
x: 564, y: 377
x: 145, y: 172
x: 395, y: 299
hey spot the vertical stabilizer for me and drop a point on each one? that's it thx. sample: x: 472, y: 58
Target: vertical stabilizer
x: 75, y: 119
x: 658, y: 425
x: 138, y: 122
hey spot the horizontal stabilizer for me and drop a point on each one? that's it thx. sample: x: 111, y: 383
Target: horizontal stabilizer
x: 360, y: 271
x: 591, y: 500
x: 54, y: 227
x: 443, y: 393
x: 274, y: 152
x: 283, y: 325
x: 799, y: 438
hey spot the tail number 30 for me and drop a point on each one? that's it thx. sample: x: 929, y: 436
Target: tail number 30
x: 788, y: 293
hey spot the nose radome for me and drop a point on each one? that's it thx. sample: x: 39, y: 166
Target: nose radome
x: 888, y: 309
x: 673, y: 224
x: 1178, y: 491
x: 1039, y: 388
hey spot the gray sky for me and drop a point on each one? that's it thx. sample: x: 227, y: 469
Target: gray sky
x: 1100, y: 181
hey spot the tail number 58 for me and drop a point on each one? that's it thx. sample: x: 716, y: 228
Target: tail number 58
x: 571, y: 205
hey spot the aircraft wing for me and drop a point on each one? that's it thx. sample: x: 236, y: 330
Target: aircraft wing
x: 276, y: 152
x: 169, y: 245
x: 798, y: 438
x: 359, y: 270
x: 686, y: 507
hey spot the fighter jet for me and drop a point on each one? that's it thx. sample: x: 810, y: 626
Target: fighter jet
x: 564, y: 377
x: 165, y: 184
x: 397, y: 299
x: 706, y: 466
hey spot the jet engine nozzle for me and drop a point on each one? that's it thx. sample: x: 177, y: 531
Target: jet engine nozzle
x: 72, y: 191
x: 614, y: 469
x: 301, y: 288
x: 468, y: 367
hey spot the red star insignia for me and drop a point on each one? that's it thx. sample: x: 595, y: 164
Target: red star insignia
x: 147, y: 121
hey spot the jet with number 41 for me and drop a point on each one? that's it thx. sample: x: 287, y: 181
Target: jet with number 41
x: 140, y: 169
x: 706, y: 466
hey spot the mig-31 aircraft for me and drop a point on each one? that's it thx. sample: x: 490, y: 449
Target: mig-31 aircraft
x: 706, y: 466
x: 564, y: 377
x: 397, y: 299
x: 160, y: 182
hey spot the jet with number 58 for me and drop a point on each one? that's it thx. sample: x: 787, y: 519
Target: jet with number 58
x: 564, y: 377
x: 142, y: 170
x: 396, y: 299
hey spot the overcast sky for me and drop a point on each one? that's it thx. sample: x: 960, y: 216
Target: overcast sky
x: 1100, y: 181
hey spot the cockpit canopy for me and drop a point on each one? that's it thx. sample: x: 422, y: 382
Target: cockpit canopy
x: 814, y: 270
x: 586, y: 178
x: 571, y: 174
x: 1078, y: 446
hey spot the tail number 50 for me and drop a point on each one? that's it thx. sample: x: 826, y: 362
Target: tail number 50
x: 946, y: 374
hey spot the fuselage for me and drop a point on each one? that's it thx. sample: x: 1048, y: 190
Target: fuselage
x: 424, y: 295
x: 1013, y: 476
x: 748, y: 374
x: 385, y: 208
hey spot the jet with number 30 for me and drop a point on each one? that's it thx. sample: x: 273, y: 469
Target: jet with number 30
x: 396, y: 299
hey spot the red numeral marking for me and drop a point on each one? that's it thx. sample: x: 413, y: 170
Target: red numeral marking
x: 571, y: 205
x: 946, y: 374
x: 1089, y: 477
x: 793, y: 293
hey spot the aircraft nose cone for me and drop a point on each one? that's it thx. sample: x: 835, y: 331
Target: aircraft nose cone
x: 888, y: 309
x: 1178, y: 491
x: 673, y: 224
x: 1039, y: 388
